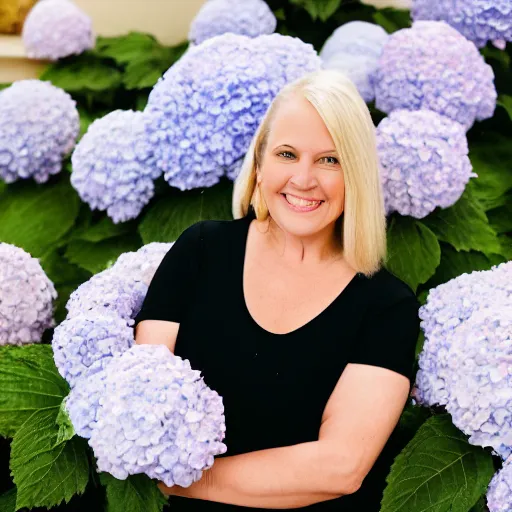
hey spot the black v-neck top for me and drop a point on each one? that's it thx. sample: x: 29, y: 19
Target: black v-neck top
x: 275, y: 386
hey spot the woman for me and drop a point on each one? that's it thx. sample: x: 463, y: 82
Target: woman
x: 290, y: 316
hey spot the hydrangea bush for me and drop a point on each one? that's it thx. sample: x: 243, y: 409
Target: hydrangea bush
x: 26, y: 297
x: 114, y: 165
x: 431, y: 66
x: 354, y: 49
x: 207, y: 106
x: 424, y: 161
x: 157, y: 417
x: 479, y: 21
x: 248, y: 18
x: 55, y: 29
x: 39, y: 125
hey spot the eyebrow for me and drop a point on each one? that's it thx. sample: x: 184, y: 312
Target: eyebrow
x: 318, y: 153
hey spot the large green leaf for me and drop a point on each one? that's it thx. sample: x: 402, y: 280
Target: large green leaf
x: 413, y: 250
x: 102, y: 230
x: 35, y: 216
x: 167, y: 218
x: 438, y: 471
x: 464, y: 225
x: 29, y: 381
x: 506, y: 246
x: 124, y: 49
x: 46, y: 472
x: 506, y: 102
x: 500, y: 218
x: 138, y: 493
x: 83, y: 73
x: 392, y: 19
x: 322, y: 9
x: 97, y: 256
x: 8, y: 501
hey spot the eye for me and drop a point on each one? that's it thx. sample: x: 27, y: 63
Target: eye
x: 286, y: 154
x: 331, y: 160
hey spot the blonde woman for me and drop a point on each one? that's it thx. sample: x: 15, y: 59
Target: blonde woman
x: 290, y: 315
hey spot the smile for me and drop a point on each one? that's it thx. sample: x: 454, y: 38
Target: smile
x: 301, y: 205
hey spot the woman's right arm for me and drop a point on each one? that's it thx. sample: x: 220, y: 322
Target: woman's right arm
x: 157, y: 332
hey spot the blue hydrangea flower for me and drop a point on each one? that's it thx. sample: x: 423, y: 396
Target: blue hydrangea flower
x: 157, y: 417
x: 118, y: 294
x: 250, y: 18
x: 354, y: 49
x: 26, y: 297
x: 207, y: 106
x: 83, y: 402
x: 479, y: 21
x: 424, y: 161
x: 81, y: 340
x: 431, y: 66
x: 55, y: 29
x: 114, y: 165
x: 499, y: 492
x: 141, y: 265
x: 463, y: 365
x: 39, y: 125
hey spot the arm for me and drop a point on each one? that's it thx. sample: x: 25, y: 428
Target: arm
x: 332, y: 466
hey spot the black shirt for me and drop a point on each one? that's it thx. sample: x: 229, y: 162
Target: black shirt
x: 275, y: 386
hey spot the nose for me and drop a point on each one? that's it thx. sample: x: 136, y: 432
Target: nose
x: 303, y: 176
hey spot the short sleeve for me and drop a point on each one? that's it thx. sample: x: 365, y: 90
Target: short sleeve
x: 175, y: 279
x: 388, y: 337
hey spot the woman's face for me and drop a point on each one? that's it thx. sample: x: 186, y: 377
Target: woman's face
x: 301, y: 177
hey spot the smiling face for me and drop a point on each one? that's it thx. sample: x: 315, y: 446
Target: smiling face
x: 300, y: 174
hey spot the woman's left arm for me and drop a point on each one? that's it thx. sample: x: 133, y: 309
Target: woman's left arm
x: 358, y: 419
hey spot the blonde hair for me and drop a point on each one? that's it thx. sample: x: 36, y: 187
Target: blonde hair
x: 346, y: 116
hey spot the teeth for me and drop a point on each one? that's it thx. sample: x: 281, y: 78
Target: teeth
x: 301, y: 202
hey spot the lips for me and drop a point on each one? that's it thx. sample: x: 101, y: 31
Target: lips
x: 301, y: 204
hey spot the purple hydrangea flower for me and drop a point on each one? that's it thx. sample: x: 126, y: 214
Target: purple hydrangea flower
x: 114, y: 165
x: 354, y: 49
x: 26, y: 297
x: 118, y: 294
x: 499, y: 492
x: 431, y: 66
x: 250, y: 18
x: 479, y: 21
x: 83, y: 402
x: 39, y: 125
x: 424, y: 161
x: 208, y: 105
x: 141, y: 265
x: 157, y: 417
x: 55, y: 29
x: 81, y: 340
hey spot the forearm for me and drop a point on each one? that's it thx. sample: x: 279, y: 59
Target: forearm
x: 288, y: 477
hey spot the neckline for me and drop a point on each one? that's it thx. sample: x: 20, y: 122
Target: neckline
x: 248, y: 220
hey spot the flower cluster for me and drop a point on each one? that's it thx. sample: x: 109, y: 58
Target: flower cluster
x: 26, y: 297
x: 465, y: 362
x: 39, y: 125
x: 208, y: 105
x: 499, y: 492
x: 114, y: 165
x: 424, y: 161
x: 55, y: 29
x: 250, y: 18
x: 479, y: 21
x: 157, y: 417
x: 431, y: 66
x: 354, y: 49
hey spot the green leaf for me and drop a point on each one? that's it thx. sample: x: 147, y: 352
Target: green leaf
x: 392, y: 19
x: 102, y: 230
x: 322, y: 9
x: 29, y: 381
x: 8, y: 501
x: 66, y: 429
x: 413, y: 250
x: 493, y: 53
x: 35, y: 216
x: 138, y: 493
x: 97, y: 256
x: 480, y: 506
x: 506, y: 246
x: 501, y: 218
x: 126, y: 48
x: 167, y: 218
x: 84, y: 73
x: 464, y: 225
x: 438, y: 471
x: 60, y: 271
x: 506, y: 102
x: 47, y: 473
